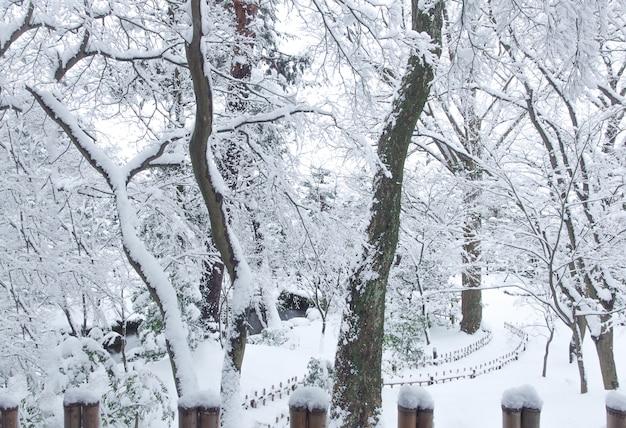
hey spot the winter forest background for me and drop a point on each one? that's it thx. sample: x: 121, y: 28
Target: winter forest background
x: 174, y: 169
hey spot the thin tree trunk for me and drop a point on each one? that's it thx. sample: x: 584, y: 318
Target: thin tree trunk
x: 544, y: 370
x: 357, y: 390
x: 578, y: 351
x: 604, y: 349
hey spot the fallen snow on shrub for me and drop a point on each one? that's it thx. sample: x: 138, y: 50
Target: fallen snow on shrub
x: 616, y: 401
x: 414, y: 397
x: 309, y: 397
x: 205, y: 398
x: 520, y: 397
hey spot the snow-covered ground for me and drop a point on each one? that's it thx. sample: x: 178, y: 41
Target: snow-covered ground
x: 468, y: 403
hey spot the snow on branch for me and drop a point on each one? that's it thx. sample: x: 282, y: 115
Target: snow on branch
x: 83, y: 141
x: 13, y: 31
x: 154, y: 156
x: 280, y: 113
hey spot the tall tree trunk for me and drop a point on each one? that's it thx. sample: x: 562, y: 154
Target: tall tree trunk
x: 471, y: 300
x: 357, y: 390
x: 208, y: 177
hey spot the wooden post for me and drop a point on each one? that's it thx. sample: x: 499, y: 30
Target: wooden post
x: 317, y: 418
x: 511, y: 418
x: 425, y: 418
x: 521, y: 407
x: 72, y: 415
x: 187, y: 417
x: 531, y: 417
x: 208, y: 417
x: 81, y: 409
x: 200, y: 409
x: 91, y: 415
x: 407, y: 418
x: 9, y: 416
x: 297, y: 417
x: 308, y: 407
x: 415, y: 408
x: 615, y: 418
x: 615, y: 409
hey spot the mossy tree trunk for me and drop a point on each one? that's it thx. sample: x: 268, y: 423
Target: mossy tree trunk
x: 357, y: 391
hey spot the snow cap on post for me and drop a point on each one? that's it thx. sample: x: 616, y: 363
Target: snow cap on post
x: 524, y: 396
x: 616, y: 400
x: 80, y: 396
x: 7, y: 401
x: 203, y: 399
x: 309, y: 397
x: 414, y: 397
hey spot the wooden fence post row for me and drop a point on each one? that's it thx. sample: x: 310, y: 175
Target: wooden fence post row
x: 81, y: 409
x: 415, y: 408
x: 8, y: 411
x: 521, y: 407
x: 308, y: 408
x: 615, y: 410
x: 200, y: 409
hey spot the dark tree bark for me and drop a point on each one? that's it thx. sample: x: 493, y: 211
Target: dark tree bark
x: 211, y: 292
x: 357, y: 391
x: 463, y: 165
x: 206, y: 175
x: 471, y: 277
x: 544, y: 369
x: 606, y: 357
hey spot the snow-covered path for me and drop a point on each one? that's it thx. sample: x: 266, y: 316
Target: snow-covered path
x: 467, y: 403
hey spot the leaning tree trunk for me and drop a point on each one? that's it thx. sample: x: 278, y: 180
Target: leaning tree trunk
x: 357, y: 391
x: 208, y: 179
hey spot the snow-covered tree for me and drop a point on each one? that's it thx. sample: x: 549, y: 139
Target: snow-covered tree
x: 565, y: 77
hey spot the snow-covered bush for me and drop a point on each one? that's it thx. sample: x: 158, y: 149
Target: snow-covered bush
x: 320, y: 373
x: 281, y: 337
x: 403, y: 341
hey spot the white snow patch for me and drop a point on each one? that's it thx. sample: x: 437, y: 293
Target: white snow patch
x: 7, y: 401
x: 80, y: 396
x: 520, y: 397
x: 414, y: 397
x: 205, y: 398
x: 310, y: 397
x: 616, y: 401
